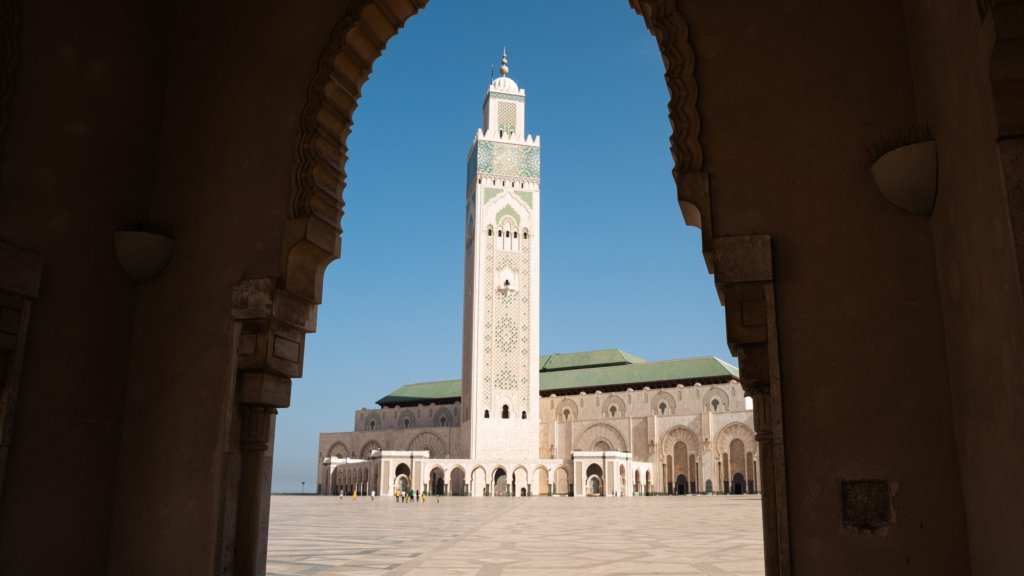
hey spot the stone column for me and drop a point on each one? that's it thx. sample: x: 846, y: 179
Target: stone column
x: 743, y: 276
x: 270, y: 329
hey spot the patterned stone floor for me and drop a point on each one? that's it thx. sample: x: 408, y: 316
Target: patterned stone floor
x: 328, y: 536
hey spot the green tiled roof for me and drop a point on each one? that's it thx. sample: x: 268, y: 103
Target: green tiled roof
x: 594, y: 358
x: 637, y: 373
x: 580, y: 371
x: 424, y: 391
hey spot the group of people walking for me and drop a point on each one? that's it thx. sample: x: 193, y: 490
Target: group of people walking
x: 411, y: 495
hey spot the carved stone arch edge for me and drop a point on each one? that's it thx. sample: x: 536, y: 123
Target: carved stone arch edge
x: 311, y: 237
x: 273, y: 315
x: 743, y: 271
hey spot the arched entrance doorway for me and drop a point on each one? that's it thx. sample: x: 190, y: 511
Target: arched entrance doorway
x: 457, y: 484
x: 682, y: 484
x: 542, y: 482
x: 500, y: 483
x: 403, y: 478
x: 562, y: 485
x: 478, y: 482
x: 437, y: 480
x: 739, y: 485
x: 595, y: 480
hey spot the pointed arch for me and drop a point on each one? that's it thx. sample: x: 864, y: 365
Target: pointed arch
x: 680, y: 434
x: 613, y: 407
x: 566, y: 410
x: 430, y: 442
x: 338, y: 450
x: 663, y: 404
x: 732, y: 431
x: 598, y: 433
x: 368, y: 448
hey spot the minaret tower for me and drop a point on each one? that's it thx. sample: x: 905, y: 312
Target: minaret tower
x: 501, y: 341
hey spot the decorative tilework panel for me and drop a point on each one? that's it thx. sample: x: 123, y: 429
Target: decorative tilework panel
x: 512, y: 160
x: 506, y: 364
x: 503, y: 96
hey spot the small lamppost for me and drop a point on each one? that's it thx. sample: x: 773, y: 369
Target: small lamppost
x: 303, y: 488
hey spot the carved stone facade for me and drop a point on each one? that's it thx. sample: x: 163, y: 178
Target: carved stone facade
x: 686, y: 436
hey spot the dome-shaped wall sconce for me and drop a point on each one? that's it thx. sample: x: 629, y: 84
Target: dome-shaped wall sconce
x: 907, y: 176
x: 143, y: 254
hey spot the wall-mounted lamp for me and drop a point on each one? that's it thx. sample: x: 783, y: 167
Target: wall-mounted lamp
x: 907, y: 176
x: 142, y: 254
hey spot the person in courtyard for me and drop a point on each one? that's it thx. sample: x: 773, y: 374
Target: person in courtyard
x: 372, y: 494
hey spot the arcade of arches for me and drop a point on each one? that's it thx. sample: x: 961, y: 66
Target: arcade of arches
x: 879, y: 327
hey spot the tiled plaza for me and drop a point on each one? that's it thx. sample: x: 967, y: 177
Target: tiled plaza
x: 327, y: 536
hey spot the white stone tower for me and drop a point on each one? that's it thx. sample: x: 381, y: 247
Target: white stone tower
x: 501, y: 342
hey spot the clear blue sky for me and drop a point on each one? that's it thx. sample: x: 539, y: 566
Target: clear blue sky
x: 618, y: 267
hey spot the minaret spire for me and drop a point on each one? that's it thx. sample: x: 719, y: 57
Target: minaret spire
x: 504, y: 63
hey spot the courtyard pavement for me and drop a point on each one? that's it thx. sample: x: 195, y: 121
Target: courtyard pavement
x: 328, y: 536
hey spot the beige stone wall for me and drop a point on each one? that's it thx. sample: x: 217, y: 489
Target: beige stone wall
x: 636, y: 425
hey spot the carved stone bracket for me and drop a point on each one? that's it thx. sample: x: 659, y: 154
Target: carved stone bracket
x: 274, y: 324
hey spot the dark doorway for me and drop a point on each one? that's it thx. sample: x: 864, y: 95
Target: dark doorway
x: 500, y: 483
x: 739, y: 485
x: 682, y: 485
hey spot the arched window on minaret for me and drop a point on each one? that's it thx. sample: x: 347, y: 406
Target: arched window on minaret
x: 504, y: 411
x: 508, y: 235
x: 487, y: 413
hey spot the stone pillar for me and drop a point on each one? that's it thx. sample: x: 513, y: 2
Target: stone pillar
x: 253, y: 505
x: 270, y: 332
x: 743, y: 276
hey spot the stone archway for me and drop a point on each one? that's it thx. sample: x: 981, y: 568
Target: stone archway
x: 283, y: 310
x: 457, y: 483
x: 600, y: 437
x: 594, y: 481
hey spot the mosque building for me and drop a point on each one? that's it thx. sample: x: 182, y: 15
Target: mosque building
x: 597, y: 423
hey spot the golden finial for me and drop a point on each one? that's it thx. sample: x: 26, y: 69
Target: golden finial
x: 504, y: 63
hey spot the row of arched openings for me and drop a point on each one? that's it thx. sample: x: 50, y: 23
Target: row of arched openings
x: 505, y: 413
